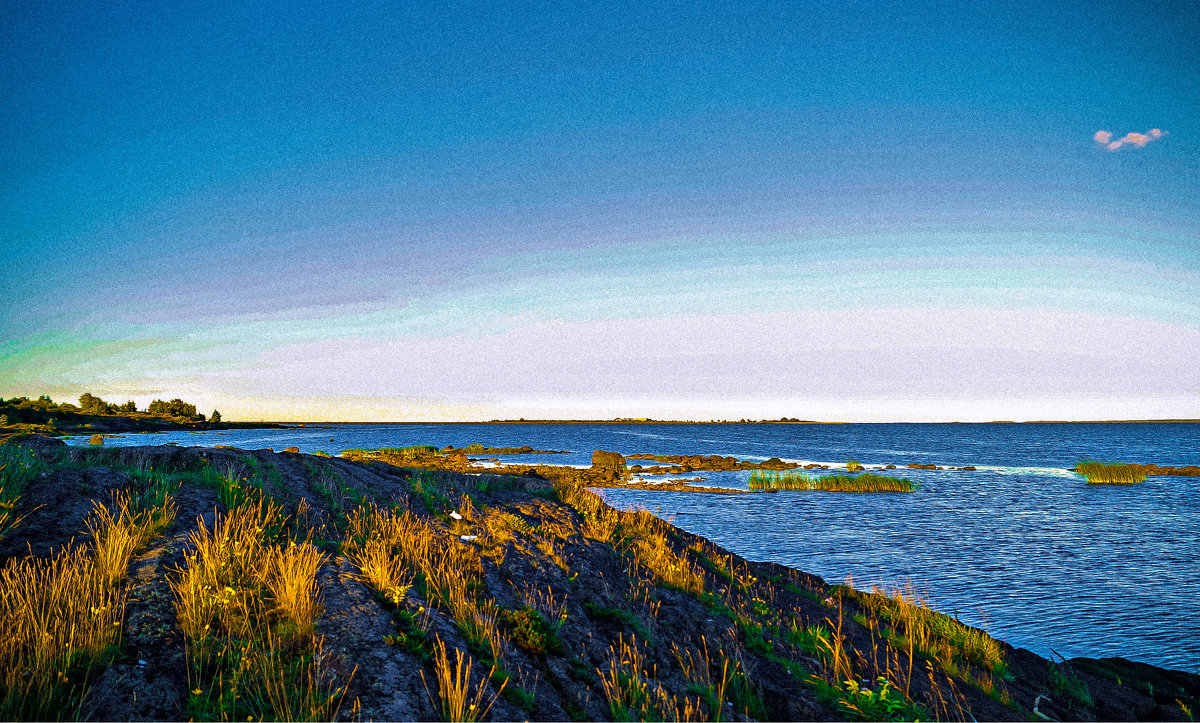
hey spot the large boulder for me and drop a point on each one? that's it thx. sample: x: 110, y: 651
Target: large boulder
x: 608, y: 460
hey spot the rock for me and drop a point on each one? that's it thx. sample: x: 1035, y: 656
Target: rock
x: 608, y: 460
x: 34, y: 441
x: 459, y: 458
x: 293, y: 450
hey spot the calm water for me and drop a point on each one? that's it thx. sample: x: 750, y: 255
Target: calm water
x: 1020, y: 547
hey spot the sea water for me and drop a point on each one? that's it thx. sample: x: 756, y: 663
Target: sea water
x: 1021, y: 546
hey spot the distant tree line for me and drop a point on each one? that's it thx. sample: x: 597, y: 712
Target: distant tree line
x: 41, y: 410
x: 90, y: 404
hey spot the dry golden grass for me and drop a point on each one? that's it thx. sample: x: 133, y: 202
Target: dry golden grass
x: 552, y: 549
x: 552, y: 608
x: 292, y: 587
x: 450, y: 569
x: 247, y: 605
x: 698, y: 667
x: 117, y: 535
x: 381, y: 569
x: 645, y: 537
x: 601, y: 525
x: 654, y: 552
x: 460, y: 696
x: 58, y: 615
x: 62, y: 615
x: 296, y: 687
x: 639, y: 532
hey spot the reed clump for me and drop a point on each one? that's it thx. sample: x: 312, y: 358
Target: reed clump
x: 1098, y: 473
x: 761, y: 480
x: 62, y: 616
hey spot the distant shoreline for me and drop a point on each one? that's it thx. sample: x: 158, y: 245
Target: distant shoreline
x: 720, y: 422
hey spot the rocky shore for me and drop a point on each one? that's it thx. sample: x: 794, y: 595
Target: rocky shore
x: 566, y: 608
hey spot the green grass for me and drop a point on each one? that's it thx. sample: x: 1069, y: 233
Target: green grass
x: 1064, y: 682
x: 530, y: 631
x: 429, y: 488
x: 1100, y: 473
x: 760, y: 480
x: 18, y: 467
x: 392, y: 455
x: 629, y: 620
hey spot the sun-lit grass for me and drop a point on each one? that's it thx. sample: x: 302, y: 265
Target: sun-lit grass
x: 633, y: 692
x: 719, y: 678
x: 392, y: 455
x: 379, y: 568
x: 788, y: 480
x: 638, y: 532
x: 460, y: 695
x: 447, y: 571
x: 61, y: 616
x: 246, y: 600
x: 117, y: 535
x: 1111, y: 474
x: 842, y: 667
x: 936, y: 636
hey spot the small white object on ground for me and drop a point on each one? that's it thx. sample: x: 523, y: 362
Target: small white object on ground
x: 456, y: 516
x: 468, y: 538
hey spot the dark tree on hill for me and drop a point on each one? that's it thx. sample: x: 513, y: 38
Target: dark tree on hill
x: 91, y: 404
x: 173, y: 408
x: 128, y: 407
x: 216, y: 417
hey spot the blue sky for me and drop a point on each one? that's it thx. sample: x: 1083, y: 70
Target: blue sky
x: 431, y: 212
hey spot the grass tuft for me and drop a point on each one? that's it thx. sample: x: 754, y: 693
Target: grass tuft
x: 62, y: 616
x: 460, y: 696
x: 246, y: 601
x: 1100, y: 473
x: 760, y: 480
x: 18, y: 467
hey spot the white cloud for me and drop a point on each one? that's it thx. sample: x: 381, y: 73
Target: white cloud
x: 1105, y: 138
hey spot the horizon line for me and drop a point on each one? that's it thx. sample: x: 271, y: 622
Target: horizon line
x: 646, y: 420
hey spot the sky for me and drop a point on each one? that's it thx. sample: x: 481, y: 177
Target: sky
x: 843, y: 211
